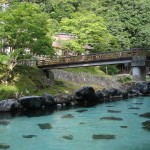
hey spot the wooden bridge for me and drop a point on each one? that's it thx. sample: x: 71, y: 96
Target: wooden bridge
x: 137, y: 57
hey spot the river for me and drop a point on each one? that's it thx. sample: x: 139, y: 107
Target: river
x: 73, y: 129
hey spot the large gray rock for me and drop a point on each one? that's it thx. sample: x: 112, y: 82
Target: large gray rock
x: 33, y: 102
x: 9, y: 104
x: 99, y: 94
x: 85, y: 94
x: 143, y: 87
x: 64, y: 99
x: 49, y: 99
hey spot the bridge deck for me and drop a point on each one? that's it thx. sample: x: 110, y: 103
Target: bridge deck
x: 88, y: 60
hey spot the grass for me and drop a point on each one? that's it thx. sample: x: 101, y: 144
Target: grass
x: 26, y: 79
x: 64, y: 87
x: 7, y: 91
x: 30, y: 79
x: 90, y: 70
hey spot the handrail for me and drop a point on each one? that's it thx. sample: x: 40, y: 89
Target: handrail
x: 86, y: 58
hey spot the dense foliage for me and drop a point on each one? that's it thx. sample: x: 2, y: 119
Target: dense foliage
x: 108, y: 24
x: 25, y: 26
x: 105, y: 25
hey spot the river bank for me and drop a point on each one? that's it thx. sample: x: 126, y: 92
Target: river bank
x: 85, y: 96
x: 59, y: 89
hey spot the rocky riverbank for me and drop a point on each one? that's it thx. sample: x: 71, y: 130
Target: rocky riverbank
x: 86, y: 96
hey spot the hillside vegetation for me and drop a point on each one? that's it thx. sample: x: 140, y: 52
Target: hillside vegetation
x: 27, y: 29
x: 32, y: 81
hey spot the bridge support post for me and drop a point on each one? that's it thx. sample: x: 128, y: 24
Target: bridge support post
x: 139, y: 73
x: 138, y: 65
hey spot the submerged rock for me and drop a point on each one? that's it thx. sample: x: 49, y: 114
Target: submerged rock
x: 146, y: 125
x: 112, y: 118
x: 135, y: 113
x: 82, y: 110
x: 103, y: 136
x: 146, y: 115
x: 114, y: 111
x: 68, y: 137
x: 124, y: 126
x: 4, y: 146
x: 110, y: 106
x: 138, y: 103
x: 45, y: 126
x: 67, y: 116
x: 81, y: 123
x: 133, y: 108
x: 4, y: 122
x: 9, y: 104
x: 28, y: 136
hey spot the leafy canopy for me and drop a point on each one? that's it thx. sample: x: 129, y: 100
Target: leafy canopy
x: 128, y: 21
x: 89, y: 29
x: 24, y: 26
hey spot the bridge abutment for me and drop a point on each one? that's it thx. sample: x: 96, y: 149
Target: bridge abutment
x: 139, y: 73
x: 138, y: 65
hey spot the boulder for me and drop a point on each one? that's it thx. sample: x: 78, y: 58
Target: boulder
x: 49, y: 99
x: 85, y: 94
x: 106, y: 93
x: 64, y: 99
x: 113, y: 92
x: 32, y: 102
x: 132, y: 92
x: 9, y: 104
x: 143, y: 87
x: 100, y: 95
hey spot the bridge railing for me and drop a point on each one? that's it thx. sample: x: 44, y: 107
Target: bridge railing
x: 85, y: 58
x: 44, y: 61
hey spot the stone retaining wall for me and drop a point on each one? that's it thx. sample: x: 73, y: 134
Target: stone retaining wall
x: 85, y: 78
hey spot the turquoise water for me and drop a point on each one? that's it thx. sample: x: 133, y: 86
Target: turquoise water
x: 82, y: 127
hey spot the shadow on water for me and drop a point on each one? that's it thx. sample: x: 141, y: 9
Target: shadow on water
x: 40, y: 112
x: 27, y: 113
x: 31, y: 113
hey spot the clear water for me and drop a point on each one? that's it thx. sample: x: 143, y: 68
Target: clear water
x: 134, y: 137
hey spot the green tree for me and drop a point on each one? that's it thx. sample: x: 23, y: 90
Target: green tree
x: 128, y: 21
x: 89, y: 29
x: 25, y: 26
